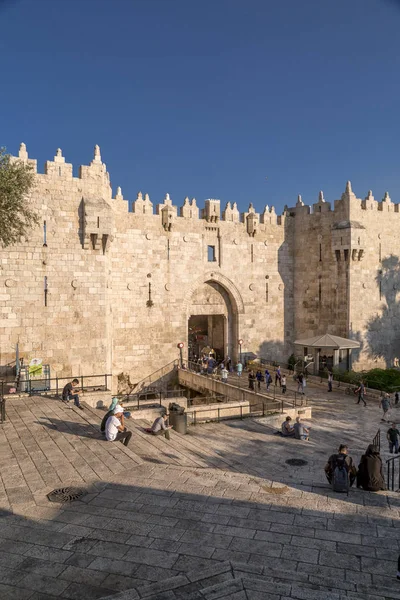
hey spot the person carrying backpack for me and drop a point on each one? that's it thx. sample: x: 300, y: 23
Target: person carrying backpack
x: 340, y: 470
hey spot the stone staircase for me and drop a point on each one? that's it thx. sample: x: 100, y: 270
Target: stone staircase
x: 243, y: 581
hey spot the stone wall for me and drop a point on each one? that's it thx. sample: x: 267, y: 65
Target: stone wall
x: 121, y: 285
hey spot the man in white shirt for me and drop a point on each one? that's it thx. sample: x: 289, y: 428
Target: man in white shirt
x: 115, y: 431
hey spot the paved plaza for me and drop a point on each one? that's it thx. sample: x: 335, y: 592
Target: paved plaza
x: 214, y: 514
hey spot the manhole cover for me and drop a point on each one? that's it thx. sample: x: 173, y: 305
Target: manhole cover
x: 66, y: 494
x: 296, y: 462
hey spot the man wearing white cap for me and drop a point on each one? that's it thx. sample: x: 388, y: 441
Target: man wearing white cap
x: 115, y: 431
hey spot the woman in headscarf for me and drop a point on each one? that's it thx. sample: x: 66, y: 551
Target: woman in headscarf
x: 370, y: 471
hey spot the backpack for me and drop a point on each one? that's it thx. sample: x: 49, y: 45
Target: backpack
x: 340, y: 478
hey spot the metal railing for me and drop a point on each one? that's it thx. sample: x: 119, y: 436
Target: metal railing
x: 204, y: 400
x: 2, y: 404
x: 291, y: 397
x: 377, y: 439
x: 149, y: 398
x: 260, y: 409
x: 393, y: 473
x: 56, y: 384
x: 161, y: 372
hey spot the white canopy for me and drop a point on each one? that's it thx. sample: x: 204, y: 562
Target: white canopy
x: 328, y: 341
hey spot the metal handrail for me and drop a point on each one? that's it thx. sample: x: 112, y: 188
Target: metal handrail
x: 377, y: 439
x: 150, y: 378
x: 80, y: 378
x: 198, y: 369
x: 143, y: 397
x: 2, y: 404
x: 391, y: 472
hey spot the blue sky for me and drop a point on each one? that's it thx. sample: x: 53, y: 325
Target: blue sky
x: 206, y: 98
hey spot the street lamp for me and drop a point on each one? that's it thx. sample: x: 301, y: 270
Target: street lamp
x: 180, y: 346
x: 240, y: 342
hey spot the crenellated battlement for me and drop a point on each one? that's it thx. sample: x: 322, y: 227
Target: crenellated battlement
x: 120, y: 279
x: 94, y: 181
x: 347, y: 204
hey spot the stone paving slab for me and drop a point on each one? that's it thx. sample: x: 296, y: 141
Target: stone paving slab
x: 253, y: 527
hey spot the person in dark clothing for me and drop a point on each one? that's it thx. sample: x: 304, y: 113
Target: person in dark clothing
x: 393, y: 438
x: 370, y: 471
x: 332, y: 462
x: 252, y: 379
x: 69, y: 393
x: 259, y: 377
x: 330, y: 381
x: 278, y: 376
x: 361, y: 393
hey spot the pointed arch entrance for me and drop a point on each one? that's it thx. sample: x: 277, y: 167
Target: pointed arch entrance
x: 213, y: 310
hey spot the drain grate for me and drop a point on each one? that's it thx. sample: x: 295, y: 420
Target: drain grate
x: 66, y: 494
x: 296, y: 462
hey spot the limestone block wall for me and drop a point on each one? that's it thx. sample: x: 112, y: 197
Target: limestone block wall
x: 320, y: 281
x: 375, y: 282
x: 52, y: 268
x: 159, y: 271
x: 97, y: 288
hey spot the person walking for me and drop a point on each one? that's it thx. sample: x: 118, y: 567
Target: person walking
x: 278, y: 376
x: 330, y: 381
x: 393, y: 438
x: 396, y: 398
x: 252, y: 379
x: 300, y: 378
x: 385, y: 405
x: 239, y: 369
x: 259, y: 377
x: 224, y: 375
x: 283, y: 384
x: 268, y: 379
x: 361, y: 393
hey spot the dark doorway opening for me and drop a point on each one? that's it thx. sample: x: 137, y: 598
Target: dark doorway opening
x: 206, y: 334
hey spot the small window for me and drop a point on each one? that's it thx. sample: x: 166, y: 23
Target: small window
x: 337, y: 253
x: 346, y: 255
x: 211, y: 253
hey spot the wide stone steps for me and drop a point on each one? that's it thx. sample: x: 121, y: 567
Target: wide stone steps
x: 242, y: 581
x: 180, y: 450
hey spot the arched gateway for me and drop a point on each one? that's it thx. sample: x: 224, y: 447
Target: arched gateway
x: 213, y: 309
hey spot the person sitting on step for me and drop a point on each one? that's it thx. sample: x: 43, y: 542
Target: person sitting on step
x: 115, y: 430
x: 160, y: 427
x: 287, y: 429
x: 69, y: 393
x: 114, y: 403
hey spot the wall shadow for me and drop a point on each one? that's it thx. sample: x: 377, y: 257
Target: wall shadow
x: 138, y: 535
x: 383, y: 330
